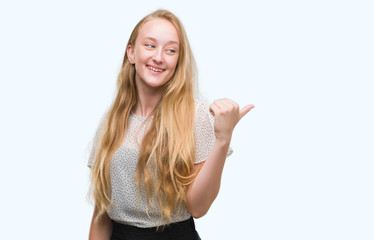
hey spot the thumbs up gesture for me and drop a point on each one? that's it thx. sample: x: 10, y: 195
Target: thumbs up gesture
x: 227, y: 114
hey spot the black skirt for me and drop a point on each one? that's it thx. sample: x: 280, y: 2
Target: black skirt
x: 184, y: 230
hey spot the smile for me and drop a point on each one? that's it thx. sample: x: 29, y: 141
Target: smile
x: 155, y: 69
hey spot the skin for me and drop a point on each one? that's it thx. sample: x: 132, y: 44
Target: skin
x: 203, y: 191
x: 101, y: 230
x: 157, y: 47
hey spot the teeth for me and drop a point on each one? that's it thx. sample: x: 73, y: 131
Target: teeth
x: 155, y: 69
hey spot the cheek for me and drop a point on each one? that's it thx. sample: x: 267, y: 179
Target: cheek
x: 173, y: 64
x: 140, y: 54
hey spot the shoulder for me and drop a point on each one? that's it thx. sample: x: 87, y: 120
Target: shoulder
x: 201, y: 107
x: 95, y: 142
x: 202, y: 112
x: 200, y: 102
x: 203, y: 118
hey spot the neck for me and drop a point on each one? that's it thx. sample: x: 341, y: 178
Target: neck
x: 146, y: 101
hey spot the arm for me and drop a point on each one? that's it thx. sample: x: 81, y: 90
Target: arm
x: 205, y: 188
x: 101, y: 230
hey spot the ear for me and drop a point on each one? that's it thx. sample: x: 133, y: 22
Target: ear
x: 130, y: 53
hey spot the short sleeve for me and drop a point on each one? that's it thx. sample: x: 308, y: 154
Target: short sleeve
x: 96, y: 142
x: 204, y: 132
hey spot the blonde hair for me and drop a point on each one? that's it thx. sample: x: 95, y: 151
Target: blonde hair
x: 167, y: 152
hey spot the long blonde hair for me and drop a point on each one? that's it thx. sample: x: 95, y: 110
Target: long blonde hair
x: 167, y: 152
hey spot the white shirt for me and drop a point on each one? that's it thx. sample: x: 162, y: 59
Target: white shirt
x: 128, y: 206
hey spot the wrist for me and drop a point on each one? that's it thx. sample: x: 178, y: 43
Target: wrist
x: 223, y: 142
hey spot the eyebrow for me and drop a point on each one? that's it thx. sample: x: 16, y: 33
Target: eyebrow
x: 154, y: 39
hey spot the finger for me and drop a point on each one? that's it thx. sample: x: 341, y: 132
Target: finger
x: 231, y: 102
x: 220, y: 103
x: 245, y: 110
x: 213, y: 109
x: 227, y: 105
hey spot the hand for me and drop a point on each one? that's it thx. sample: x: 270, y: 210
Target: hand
x: 227, y: 114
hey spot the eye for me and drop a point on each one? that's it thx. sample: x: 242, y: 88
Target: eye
x: 149, y: 45
x: 171, y: 51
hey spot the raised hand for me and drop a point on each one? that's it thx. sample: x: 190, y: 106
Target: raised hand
x: 227, y: 114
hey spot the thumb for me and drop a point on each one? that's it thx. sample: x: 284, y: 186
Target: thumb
x: 245, y: 110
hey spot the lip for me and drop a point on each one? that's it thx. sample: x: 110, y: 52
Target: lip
x: 155, y: 69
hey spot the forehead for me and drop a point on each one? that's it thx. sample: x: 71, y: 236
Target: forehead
x: 159, y: 29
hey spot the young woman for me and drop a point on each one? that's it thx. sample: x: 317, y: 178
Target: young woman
x: 158, y: 154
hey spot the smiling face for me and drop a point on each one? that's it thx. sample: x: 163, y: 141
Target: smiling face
x: 155, y: 54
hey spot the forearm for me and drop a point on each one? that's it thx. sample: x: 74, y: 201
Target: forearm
x: 101, y: 230
x: 205, y: 188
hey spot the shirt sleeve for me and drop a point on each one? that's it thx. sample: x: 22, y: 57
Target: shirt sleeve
x: 204, y: 132
x: 96, y: 142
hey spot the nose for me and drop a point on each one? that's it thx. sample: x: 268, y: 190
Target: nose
x: 157, y: 56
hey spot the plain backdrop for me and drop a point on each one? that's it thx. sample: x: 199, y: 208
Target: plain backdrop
x: 302, y: 166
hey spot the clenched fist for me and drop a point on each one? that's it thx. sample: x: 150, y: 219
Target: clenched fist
x: 227, y: 114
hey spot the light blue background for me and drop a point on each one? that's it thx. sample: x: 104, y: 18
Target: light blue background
x: 302, y: 166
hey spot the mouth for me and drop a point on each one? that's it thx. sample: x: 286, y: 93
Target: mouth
x: 155, y: 69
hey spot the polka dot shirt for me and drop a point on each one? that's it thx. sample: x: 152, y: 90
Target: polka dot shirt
x: 128, y: 206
